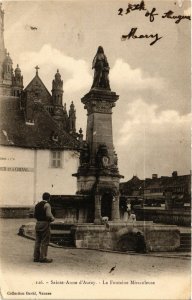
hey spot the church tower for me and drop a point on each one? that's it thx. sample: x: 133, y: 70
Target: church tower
x: 57, y: 90
x: 57, y: 98
x: 17, y: 81
x: 6, y: 69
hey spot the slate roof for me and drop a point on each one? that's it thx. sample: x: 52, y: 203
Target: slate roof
x: 15, y: 132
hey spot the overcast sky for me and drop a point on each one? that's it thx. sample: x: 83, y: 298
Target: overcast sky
x: 151, y: 120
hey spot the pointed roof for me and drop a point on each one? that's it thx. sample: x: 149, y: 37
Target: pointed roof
x: 37, y: 85
x: 34, y: 82
x: 17, y: 70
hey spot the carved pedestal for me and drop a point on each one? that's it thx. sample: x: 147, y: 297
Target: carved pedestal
x: 98, y: 172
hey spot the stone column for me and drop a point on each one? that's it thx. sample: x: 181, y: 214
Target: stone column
x: 81, y: 216
x: 115, y: 209
x: 97, y: 219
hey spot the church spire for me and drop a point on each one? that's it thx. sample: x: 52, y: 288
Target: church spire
x: 65, y: 117
x: 72, y: 118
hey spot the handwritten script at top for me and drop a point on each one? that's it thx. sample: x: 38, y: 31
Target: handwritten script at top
x: 151, y: 15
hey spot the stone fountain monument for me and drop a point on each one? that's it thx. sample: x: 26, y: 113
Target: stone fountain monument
x: 98, y: 173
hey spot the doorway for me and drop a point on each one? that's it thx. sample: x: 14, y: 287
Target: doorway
x: 106, y: 205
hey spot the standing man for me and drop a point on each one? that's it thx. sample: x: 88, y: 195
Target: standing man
x: 44, y: 217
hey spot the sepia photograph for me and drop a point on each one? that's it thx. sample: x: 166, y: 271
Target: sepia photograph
x: 95, y: 149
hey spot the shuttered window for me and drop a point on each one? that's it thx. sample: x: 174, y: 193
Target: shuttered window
x: 56, y: 159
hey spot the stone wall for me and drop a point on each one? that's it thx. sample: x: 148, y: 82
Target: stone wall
x: 14, y: 212
x: 163, y: 238
x: 120, y: 236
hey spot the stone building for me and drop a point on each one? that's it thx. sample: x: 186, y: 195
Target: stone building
x: 39, y: 145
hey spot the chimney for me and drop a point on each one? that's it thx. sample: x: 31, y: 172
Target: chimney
x: 174, y: 174
x: 154, y: 176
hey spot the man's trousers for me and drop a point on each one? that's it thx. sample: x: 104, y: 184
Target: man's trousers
x: 42, y: 230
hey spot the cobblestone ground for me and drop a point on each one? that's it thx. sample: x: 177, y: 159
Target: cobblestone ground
x: 19, y: 270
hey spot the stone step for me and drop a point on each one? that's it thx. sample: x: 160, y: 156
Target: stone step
x: 63, y: 241
x: 188, y: 244
x: 186, y: 236
x: 185, y: 239
x: 185, y: 242
x: 61, y: 234
x: 61, y: 226
x: 184, y: 249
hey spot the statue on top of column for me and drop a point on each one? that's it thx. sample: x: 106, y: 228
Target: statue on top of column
x: 101, y: 66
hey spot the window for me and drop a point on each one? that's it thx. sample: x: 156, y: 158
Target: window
x: 56, y: 159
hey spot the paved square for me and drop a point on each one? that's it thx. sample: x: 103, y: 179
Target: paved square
x: 75, y: 265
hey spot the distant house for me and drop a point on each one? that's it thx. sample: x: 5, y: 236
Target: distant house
x: 154, y: 191
x: 39, y: 145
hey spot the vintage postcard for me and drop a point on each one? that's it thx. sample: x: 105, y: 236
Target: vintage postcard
x: 95, y: 149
